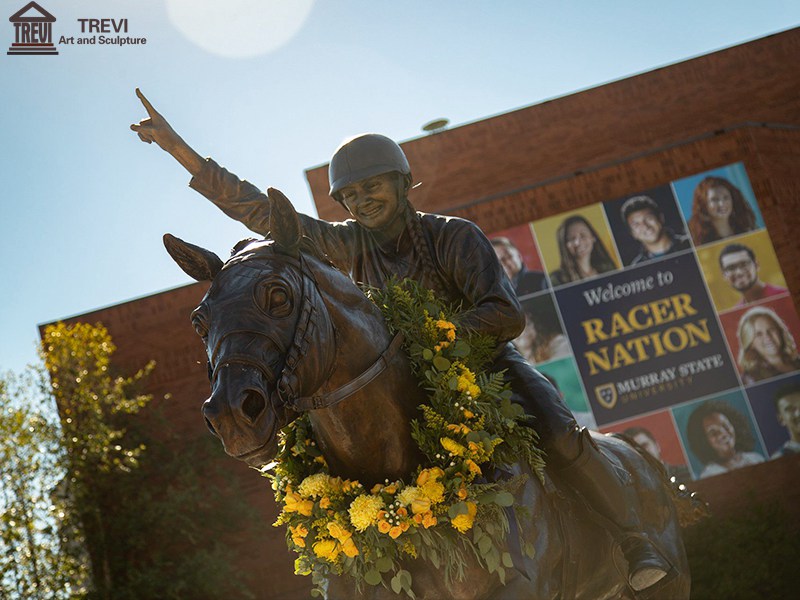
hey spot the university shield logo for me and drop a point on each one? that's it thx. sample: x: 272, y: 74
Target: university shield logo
x: 606, y: 395
x: 33, y: 31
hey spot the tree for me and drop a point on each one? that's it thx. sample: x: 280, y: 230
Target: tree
x: 41, y: 551
x: 92, y: 505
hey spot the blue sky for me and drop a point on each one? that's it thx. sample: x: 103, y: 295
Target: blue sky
x: 85, y: 203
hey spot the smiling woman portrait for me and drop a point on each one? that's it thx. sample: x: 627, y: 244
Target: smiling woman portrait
x: 766, y: 346
x: 719, y: 210
x: 581, y: 251
x: 719, y: 435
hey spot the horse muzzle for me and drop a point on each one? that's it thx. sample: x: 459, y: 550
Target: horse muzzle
x: 241, y: 413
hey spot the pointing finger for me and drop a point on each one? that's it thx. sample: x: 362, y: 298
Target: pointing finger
x: 148, y: 107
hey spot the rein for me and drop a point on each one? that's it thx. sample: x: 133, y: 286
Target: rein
x: 308, y: 324
x: 328, y: 399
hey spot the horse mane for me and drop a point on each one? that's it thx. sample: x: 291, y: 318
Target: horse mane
x: 307, y: 247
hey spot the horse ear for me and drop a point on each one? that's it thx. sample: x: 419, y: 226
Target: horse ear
x: 284, y: 224
x: 198, y: 263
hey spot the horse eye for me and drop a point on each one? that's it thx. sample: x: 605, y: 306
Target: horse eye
x: 275, y: 299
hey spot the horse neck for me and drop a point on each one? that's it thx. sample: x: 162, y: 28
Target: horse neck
x: 368, y: 435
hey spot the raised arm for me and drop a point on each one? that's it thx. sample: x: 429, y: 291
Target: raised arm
x: 155, y: 128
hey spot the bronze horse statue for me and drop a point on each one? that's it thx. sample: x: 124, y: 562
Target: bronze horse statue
x: 286, y: 332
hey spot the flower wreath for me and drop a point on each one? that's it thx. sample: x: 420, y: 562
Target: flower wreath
x: 452, y: 504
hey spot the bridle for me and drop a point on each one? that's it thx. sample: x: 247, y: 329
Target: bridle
x: 314, y: 326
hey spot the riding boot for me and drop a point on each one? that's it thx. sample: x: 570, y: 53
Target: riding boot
x: 607, y: 487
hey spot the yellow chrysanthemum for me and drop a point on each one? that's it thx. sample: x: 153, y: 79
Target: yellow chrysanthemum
x: 452, y: 446
x: 464, y: 522
x: 315, y: 486
x: 433, y: 491
x: 364, y: 511
x: 408, y: 495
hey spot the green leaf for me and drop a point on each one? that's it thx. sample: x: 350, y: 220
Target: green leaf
x: 461, y: 349
x: 485, y: 545
x: 373, y: 577
x: 384, y: 564
x: 530, y: 550
x: 405, y: 579
x: 504, y: 498
x: 453, y: 383
x: 441, y: 363
x: 459, y: 508
x: 427, y: 354
x: 397, y: 586
x: 507, y: 562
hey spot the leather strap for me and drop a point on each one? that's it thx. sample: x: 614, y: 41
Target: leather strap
x: 326, y: 400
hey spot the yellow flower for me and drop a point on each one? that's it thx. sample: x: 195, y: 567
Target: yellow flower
x: 451, y: 335
x: 433, y: 491
x: 384, y: 527
x: 409, y: 548
x: 325, y: 502
x: 431, y: 474
x: 473, y: 467
x: 327, y: 549
x: 338, y: 532
x: 395, y: 532
x: 408, y: 495
x: 462, y: 493
x: 420, y: 505
x: 459, y: 428
x: 315, y: 485
x: 452, y: 446
x: 294, y: 503
x: 428, y: 520
x: 298, y: 535
x: 446, y: 325
x: 390, y: 489
x: 464, y: 522
x: 468, y: 414
x: 364, y: 511
x: 349, y: 548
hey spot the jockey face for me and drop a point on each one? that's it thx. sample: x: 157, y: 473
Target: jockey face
x: 377, y: 203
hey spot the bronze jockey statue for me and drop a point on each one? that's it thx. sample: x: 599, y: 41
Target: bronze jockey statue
x: 371, y: 177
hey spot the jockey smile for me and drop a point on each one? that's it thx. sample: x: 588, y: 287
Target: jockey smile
x: 374, y: 202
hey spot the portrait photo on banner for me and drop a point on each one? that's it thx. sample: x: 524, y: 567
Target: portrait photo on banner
x: 564, y: 376
x: 776, y: 407
x: 656, y: 434
x: 763, y: 339
x: 543, y: 338
x: 517, y: 252
x: 576, y: 245
x: 742, y: 270
x: 718, y: 203
x: 647, y: 226
x: 719, y: 434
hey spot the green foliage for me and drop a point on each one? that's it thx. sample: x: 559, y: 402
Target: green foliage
x: 92, y: 505
x: 750, y: 556
x: 40, y: 547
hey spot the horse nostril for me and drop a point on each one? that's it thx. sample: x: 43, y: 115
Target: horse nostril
x: 253, y: 405
x: 210, y: 426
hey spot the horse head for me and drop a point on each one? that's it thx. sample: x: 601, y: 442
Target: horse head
x: 266, y: 331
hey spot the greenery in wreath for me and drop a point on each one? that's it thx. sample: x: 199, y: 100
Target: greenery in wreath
x: 453, y: 504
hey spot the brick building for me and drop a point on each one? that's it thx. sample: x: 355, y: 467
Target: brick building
x: 741, y: 104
